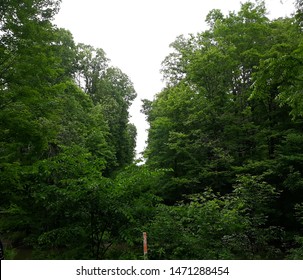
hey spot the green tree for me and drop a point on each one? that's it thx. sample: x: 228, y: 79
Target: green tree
x: 112, y: 89
x: 56, y: 140
x: 232, y: 109
x: 210, y: 226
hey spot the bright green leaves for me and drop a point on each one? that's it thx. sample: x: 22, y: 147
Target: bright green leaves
x: 229, y: 120
x: 209, y: 226
x: 283, y: 73
x: 278, y: 75
x: 214, y: 112
x: 91, y: 66
x: 223, y: 172
x: 111, y: 89
x: 32, y: 80
x: 64, y: 128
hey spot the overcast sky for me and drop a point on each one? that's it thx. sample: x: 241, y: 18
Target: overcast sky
x: 135, y: 34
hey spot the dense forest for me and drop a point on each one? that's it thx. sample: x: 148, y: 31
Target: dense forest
x: 223, y: 168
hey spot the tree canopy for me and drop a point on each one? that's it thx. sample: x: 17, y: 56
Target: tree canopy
x: 228, y: 125
x: 222, y: 175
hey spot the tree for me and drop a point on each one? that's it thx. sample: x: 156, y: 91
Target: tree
x: 210, y: 226
x: 232, y: 109
x: 112, y: 89
x: 56, y: 140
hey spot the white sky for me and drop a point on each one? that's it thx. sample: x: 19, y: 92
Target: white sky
x: 135, y: 34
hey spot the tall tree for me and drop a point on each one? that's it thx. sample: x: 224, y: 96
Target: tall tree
x: 112, y: 89
x: 64, y: 127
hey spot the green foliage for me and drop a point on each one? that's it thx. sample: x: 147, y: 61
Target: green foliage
x: 223, y: 172
x: 209, y: 226
x: 64, y: 131
x: 230, y: 120
x: 111, y: 89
